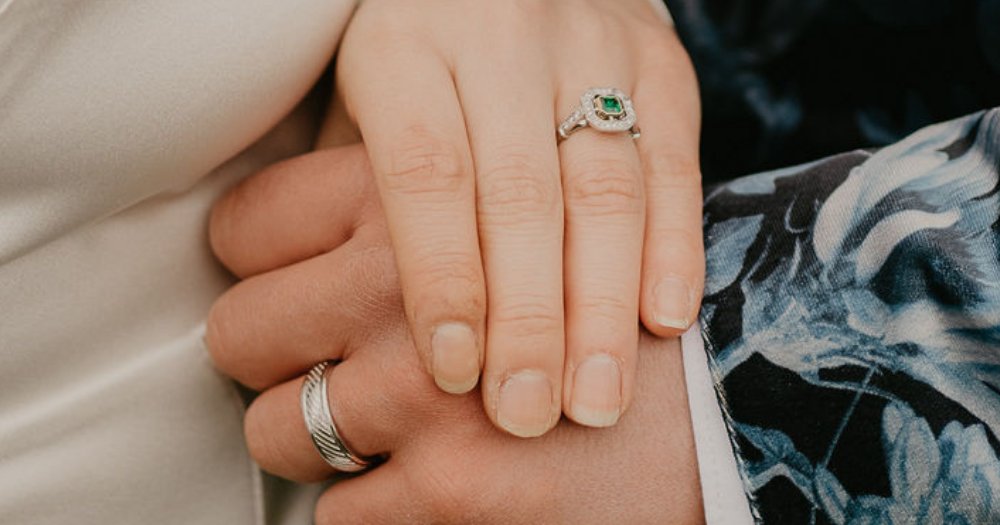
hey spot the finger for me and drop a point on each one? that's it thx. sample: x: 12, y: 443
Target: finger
x: 274, y: 326
x: 417, y: 143
x: 297, y: 209
x: 521, y: 225
x: 337, y: 129
x: 382, y: 496
x: 369, y: 425
x: 674, y: 259
x: 603, y: 192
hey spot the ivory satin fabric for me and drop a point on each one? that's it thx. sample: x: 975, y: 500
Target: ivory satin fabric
x: 120, y: 122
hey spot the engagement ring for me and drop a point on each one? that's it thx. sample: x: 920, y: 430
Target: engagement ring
x: 605, y: 109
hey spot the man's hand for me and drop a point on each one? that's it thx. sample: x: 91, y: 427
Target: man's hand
x: 308, y: 237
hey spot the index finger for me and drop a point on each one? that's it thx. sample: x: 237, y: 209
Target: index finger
x: 419, y: 152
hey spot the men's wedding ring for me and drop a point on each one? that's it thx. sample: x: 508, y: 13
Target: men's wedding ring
x: 605, y: 109
x: 322, y: 429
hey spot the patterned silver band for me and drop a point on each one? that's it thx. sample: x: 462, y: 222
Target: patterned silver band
x: 319, y: 422
x: 604, y: 109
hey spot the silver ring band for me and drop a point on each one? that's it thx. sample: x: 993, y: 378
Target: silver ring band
x: 605, y: 109
x: 319, y: 422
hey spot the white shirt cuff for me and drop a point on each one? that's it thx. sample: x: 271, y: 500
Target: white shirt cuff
x: 723, y: 497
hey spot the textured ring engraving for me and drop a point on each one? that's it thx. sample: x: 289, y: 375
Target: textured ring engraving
x: 322, y: 429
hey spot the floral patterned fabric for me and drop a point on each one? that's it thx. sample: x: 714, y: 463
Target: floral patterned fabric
x: 852, y: 320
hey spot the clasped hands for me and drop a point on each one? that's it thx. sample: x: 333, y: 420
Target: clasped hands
x: 472, y: 242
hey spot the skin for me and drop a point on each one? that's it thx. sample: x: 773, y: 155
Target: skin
x: 327, y: 288
x: 519, y: 257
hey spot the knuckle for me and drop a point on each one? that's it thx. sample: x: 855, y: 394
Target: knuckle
x: 452, y: 282
x: 610, y: 325
x: 234, y: 216
x: 227, y: 216
x: 259, y: 446
x: 531, y: 317
x: 217, y: 335
x: 269, y: 450
x: 220, y: 227
x: 609, y: 308
x: 684, y: 242
x: 373, y: 285
x: 518, y: 185
x: 606, y: 188
x: 425, y: 163
x: 671, y: 170
x: 449, y: 265
x: 222, y: 341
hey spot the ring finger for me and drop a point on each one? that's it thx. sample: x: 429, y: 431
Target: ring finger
x: 521, y: 226
x: 602, y: 184
x: 274, y: 326
x: 605, y: 215
x: 368, y: 425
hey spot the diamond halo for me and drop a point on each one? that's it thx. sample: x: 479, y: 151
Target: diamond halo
x: 608, y: 110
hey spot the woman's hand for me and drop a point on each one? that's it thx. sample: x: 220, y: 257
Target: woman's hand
x: 326, y: 288
x: 541, y: 255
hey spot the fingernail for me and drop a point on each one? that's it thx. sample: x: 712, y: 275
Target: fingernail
x: 455, y: 358
x: 525, y: 405
x: 672, y: 303
x: 597, y: 392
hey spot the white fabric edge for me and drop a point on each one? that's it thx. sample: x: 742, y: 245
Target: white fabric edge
x: 723, y: 497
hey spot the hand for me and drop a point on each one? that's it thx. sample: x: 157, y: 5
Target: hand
x: 326, y: 288
x: 457, y: 103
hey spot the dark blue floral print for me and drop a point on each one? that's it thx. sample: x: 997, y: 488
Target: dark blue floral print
x: 852, y: 318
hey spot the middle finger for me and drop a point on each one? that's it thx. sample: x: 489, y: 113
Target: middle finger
x: 276, y: 325
x: 519, y: 206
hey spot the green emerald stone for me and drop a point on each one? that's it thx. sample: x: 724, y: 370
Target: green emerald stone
x: 610, y: 104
